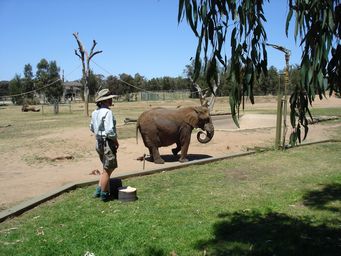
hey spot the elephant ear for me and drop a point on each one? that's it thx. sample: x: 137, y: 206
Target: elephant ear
x: 202, y: 112
x: 195, y: 114
x: 191, y: 117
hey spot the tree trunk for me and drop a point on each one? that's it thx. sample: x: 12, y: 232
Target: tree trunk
x: 56, y: 107
x: 86, y: 98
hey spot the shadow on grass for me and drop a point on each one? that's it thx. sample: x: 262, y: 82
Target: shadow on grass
x: 323, y: 198
x: 149, y: 251
x: 254, y: 233
x: 190, y: 157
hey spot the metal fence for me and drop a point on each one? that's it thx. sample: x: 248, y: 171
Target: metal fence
x: 164, y: 95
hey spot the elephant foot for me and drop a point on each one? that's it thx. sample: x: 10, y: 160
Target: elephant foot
x: 159, y: 161
x: 175, y: 151
x: 184, y: 160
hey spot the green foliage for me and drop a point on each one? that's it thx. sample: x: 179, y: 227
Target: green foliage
x: 248, y: 54
x: 28, y: 81
x: 47, y: 81
x: 318, y: 22
x: 4, y: 88
x: 268, y: 84
x: 125, y: 84
x: 42, y: 73
x: 318, y: 25
x: 95, y: 82
x: 16, y: 88
x: 295, y: 78
x: 54, y: 91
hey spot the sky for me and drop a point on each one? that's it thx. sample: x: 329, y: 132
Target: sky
x: 136, y: 36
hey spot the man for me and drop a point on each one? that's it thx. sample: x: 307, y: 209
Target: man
x: 103, y: 125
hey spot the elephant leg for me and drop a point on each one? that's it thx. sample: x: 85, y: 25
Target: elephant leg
x: 156, y: 156
x: 151, y: 154
x: 185, y: 139
x: 176, y: 150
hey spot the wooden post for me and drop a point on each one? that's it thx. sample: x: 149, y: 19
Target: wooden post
x: 278, y: 121
x: 286, y: 84
x: 284, y: 101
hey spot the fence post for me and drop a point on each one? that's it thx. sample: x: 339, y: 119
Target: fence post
x: 278, y: 121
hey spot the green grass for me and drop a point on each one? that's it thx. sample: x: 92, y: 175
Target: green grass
x: 271, y: 203
x: 326, y: 112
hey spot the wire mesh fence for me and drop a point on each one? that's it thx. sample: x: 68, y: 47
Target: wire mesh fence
x: 164, y: 95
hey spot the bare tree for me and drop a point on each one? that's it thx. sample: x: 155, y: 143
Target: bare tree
x: 203, y: 94
x: 85, y: 58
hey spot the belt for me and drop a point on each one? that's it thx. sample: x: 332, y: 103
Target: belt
x: 100, y: 137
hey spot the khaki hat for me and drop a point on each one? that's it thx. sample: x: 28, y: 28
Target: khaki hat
x: 103, y: 94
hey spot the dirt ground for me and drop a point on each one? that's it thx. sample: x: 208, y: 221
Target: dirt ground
x: 20, y: 181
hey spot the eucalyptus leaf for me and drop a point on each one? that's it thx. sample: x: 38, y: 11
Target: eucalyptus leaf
x: 180, y: 11
x: 288, y: 21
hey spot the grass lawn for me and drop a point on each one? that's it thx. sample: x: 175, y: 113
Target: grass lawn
x: 270, y: 203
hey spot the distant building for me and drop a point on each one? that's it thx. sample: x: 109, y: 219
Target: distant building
x: 72, y: 91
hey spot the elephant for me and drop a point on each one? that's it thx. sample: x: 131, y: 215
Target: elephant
x: 161, y: 127
x: 26, y: 108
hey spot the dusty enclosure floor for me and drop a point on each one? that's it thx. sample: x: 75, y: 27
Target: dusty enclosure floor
x: 21, y: 181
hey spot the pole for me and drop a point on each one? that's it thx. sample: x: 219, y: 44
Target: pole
x: 279, y: 116
x: 283, y: 101
x: 286, y: 84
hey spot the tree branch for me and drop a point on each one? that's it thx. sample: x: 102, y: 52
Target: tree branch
x: 93, y: 46
x: 93, y: 54
x: 78, y: 54
x: 80, y: 46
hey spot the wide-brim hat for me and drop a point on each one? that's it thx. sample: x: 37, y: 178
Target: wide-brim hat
x: 103, y: 94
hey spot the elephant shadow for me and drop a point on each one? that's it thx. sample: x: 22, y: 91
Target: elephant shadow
x: 171, y: 158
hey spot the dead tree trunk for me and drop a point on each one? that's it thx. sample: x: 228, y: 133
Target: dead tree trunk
x: 85, y: 58
x: 209, y: 103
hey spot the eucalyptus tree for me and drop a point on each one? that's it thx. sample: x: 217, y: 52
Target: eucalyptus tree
x: 139, y: 81
x: 48, y: 82
x: 16, y: 90
x: 266, y: 85
x: 95, y: 83
x: 317, y: 27
x: 295, y: 78
x: 28, y: 81
x: 127, y: 83
x: 114, y: 85
x: 42, y: 74
x: 4, y: 88
x: 54, y: 89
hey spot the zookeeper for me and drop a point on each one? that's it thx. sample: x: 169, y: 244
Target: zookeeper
x: 103, y: 125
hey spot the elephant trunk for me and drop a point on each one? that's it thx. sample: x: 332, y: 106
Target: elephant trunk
x: 209, y: 128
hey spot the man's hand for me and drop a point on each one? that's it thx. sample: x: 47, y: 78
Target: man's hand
x: 117, y: 145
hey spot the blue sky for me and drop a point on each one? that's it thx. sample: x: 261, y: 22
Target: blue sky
x: 136, y: 36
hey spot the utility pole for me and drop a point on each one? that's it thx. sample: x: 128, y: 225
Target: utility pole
x: 85, y: 58
x: 282, y: 104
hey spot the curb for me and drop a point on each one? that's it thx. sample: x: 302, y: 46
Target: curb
x: 27, y: 205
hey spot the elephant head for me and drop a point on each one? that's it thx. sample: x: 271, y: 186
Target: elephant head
x: 200, y: 118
